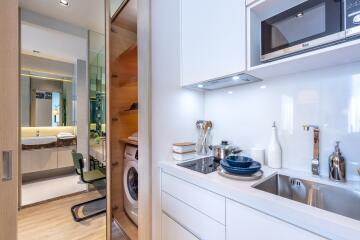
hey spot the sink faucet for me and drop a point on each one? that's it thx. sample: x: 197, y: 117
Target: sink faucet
x: 315, y: 163
x: 37, y: 133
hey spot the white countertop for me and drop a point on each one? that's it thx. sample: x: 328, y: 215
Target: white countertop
x: 324, y: 223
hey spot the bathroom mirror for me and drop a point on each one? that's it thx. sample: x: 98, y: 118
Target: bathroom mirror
x: 47, y: 92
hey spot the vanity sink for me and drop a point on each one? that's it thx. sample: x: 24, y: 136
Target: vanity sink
x: 38, y: 140
x: 338, y: 200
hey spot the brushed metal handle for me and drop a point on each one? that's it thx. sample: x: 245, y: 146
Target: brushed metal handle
x: 7, y: 166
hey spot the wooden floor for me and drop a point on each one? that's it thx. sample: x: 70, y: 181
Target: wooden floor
x: 53, y: 220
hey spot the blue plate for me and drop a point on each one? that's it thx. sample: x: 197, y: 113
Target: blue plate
x: 239, y: 161
x: 253, y: 168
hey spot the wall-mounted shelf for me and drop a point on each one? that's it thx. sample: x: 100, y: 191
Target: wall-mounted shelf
x: 128, y: 112
x: 128, y: 141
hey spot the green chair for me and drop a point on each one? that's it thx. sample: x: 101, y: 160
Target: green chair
x: 93, y: 207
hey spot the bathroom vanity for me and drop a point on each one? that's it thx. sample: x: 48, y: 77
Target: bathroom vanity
x: 46, y: 153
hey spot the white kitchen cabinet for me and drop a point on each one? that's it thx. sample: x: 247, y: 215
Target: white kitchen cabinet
x: 195, y: 221
x: 171, y: 230
x: 199, y: 198
x: 246, y: 223
x: 213, y: 35
x: 65, y: 156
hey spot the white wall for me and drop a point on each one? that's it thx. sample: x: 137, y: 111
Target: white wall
x: 25, y: 101
x: 174, y: 110
x: 329, y: 98
x: 82, y: 108
x: 52, y: 44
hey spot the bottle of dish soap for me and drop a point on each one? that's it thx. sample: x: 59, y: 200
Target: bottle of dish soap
x: 337, y: 165
x: 274, y: 150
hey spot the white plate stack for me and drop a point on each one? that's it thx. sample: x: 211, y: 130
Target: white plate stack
x: 183, y: 151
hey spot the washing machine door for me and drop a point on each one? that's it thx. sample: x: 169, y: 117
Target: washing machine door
x: 131, y: 181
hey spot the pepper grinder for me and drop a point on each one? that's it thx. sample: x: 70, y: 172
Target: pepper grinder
x: 337, y: 165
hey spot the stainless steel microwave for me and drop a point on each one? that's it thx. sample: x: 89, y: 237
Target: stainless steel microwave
x: 309, y: 25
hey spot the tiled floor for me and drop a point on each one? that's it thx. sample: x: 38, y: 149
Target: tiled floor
x: 43, y: 190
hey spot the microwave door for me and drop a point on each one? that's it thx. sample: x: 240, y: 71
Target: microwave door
x: 308, y: 25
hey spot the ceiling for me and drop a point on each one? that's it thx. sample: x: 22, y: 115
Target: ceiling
x: 89, y: 14
x: 127, y: 18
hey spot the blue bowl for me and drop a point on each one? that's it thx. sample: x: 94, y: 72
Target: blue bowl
x: 239, y: 161
x: 253, y: 168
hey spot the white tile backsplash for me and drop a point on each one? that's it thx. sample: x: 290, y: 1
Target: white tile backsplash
x: 329, y: 98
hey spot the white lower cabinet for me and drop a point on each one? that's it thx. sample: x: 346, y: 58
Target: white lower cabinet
x: 243, y: 222
x: 38, y: 160
x: 199, y: 224
x: 65, y: 157
x: 171, y: 230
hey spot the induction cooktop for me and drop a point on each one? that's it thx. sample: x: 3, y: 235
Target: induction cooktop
x: 204, y: 165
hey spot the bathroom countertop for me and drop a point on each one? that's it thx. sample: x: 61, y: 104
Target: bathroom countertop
x: 324, y: 223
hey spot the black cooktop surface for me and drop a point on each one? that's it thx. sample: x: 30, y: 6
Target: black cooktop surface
x: 204, y: 165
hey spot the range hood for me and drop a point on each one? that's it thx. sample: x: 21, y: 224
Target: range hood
x: 228, y: 81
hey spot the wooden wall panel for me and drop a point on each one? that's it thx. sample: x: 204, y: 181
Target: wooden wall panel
x: 123, y: 88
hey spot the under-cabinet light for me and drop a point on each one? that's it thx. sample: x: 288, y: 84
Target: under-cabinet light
x: 64, y: 3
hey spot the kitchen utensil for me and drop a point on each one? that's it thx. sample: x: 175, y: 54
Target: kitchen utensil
x: 239, y: 161
x: 253, y: 168
x: 202, y: 143
x: 252, y: 177
x: 224, y: 149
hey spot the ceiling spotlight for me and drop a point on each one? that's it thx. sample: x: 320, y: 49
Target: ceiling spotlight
x: 200, y: 86
x: 299, y: 15
x: 230, y: 92
x: 235, y: 77
x: 263, y: 86
x: 64, y: 2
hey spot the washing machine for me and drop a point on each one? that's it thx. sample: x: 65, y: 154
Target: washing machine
x: 131, y: 182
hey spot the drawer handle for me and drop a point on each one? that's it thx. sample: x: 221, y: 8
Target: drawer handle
x: 7, y: 166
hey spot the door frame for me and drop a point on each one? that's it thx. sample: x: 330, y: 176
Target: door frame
x: 144, y: 122
x: 9, y: 118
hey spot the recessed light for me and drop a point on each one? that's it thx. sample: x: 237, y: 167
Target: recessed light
x: 230, y: 92
x: 235, y: 77
x: 263, y: 87
x: 299, y: 15
x: 200, y: 86
x: 64, y: 2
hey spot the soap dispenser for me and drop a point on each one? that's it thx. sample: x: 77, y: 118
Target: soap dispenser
x: 337, y: 165
x: 274, y: 150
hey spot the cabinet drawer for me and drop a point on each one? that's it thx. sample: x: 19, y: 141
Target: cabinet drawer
x: 196, y: 222
x: 244, y: 223
x: 171, y: 230
x: 209, y: 203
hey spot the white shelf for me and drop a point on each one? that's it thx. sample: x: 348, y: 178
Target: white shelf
x: 339, y: 54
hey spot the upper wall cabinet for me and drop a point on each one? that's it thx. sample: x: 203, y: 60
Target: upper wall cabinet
x: 212, y: 39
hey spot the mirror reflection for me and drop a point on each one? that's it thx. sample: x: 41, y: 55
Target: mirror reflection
x: 46, y: 92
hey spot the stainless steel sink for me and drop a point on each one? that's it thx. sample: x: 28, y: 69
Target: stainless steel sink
x: 330, y: 198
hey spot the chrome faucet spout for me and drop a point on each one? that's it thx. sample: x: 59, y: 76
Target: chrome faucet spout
x: 315, y: 162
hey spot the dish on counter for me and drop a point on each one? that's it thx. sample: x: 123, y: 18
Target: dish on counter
x: 255, y: 176
x: 239, y: 161
x: 253, y: 168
